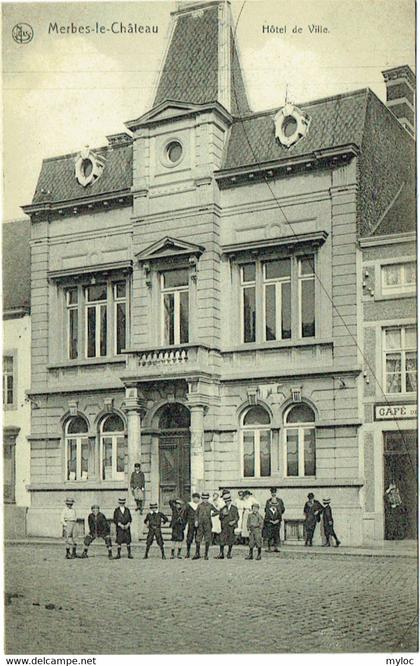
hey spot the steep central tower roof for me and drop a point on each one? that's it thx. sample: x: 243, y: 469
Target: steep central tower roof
x: 202, y: 61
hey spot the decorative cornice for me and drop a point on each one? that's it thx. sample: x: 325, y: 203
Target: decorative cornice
x: 180, y: 109
x: 75, y: 206
x: 315, y: 238
x: 169, y: 247
x: 16, y: 313
x: 62, y: 274
x: 388, y: 239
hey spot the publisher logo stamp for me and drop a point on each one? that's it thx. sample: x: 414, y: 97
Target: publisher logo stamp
x: 22, y: 33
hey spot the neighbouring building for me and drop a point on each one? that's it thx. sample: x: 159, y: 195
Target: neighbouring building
x: 197, y: 297
x: 16, y: 375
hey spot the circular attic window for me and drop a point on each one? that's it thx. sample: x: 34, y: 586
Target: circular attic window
x: 87, y: 167
x: 174, y: 152
x: 290, y: 126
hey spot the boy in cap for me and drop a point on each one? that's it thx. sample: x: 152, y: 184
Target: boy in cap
x: 255, y: 525
x: 98, y: 528
x: 205, y: 511
x: 68, y: 521
x: 122, y: 520
x: 328, y: 522
x: 137, y: 486
x: 229, y: 519
x: 154, y: 521
x: 191, y: 510
x: 178, y: 522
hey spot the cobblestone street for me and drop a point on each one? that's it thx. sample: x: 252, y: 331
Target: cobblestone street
x: 316, y: 602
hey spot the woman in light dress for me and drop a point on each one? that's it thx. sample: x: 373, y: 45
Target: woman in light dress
x: 240, y: 505
x: 248, y: 501
x: 216, y: 528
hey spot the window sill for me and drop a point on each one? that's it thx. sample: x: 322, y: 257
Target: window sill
x: 105, y: 360
x: 279, y: 344
x: 91, y: 484
x: 295, y: 482
x: 392, y: 297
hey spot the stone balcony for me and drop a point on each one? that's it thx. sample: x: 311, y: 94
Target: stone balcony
x: 171, y: 362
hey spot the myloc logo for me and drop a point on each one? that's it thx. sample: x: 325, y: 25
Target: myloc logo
x: 22, y: 33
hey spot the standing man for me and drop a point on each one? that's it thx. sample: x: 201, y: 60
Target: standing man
x: 274, y: 510
x: 98, y: 528
x: 205, y: 511
x: 273, y: 493
x: 328, y: 522
x: 122, y: 520
x: 311, y: 510
x: 137, y: 486
x: 190, y: 518
x: 229, y: 519
x: 68, y: 521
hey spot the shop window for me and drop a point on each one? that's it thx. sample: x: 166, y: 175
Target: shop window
x: 400, y: 359
x: 256, y: 442
x: 399, y: 278
x: 113, y: 447
x: 9, y: 383
x: 175, y: 307
x: 300, y: 441
x: 79, y: 452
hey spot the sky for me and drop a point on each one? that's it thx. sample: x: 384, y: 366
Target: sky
x: 63, y: 91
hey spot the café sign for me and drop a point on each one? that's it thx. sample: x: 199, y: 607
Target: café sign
x: 395, y: 412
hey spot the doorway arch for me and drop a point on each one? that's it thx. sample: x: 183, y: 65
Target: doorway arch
x: 174, y: 453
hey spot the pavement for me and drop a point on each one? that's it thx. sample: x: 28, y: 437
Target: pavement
x: 301, y: 600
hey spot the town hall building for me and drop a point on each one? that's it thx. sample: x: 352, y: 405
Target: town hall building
x: 197, y: 289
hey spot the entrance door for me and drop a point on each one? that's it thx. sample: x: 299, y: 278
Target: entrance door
x: 400, y: 468
x: 174, y: 454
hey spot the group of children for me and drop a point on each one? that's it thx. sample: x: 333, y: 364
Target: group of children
x: 195, y: 521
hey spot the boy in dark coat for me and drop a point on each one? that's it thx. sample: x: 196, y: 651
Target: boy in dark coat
x: 272, y: 520
x: 137, y: 483
x: 178, y: 522
x: 205, y: 511
x: 311, y: 510
x: 255, y: 524
x: 191, y: 510
x: 98, y: 528
x: 229, y: 519
x: 122, y: 520
x: 154, y: 521
x: 328, y: 522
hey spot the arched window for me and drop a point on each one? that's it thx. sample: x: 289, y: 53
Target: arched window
x: 300, y: 441
x: 113, y: 447
x: 79, y: 457
x: 256, y: 442
x: 174, y: 417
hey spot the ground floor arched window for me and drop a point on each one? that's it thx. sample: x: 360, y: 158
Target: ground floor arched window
x: 300, y: 441
x: 256, y: 442
x: 78, y: 460
x: 113, y: 449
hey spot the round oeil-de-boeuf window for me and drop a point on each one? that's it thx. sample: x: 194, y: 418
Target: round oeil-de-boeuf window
x: 290, y: 126
x: 174, y: 152
x: 87, y: 167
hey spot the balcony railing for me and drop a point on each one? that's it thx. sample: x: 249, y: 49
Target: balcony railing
x: 172, y: 362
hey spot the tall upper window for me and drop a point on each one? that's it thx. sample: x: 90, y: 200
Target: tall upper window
x: 8, y: 380
x: 398, y: 278
x: 300, y: 443
x: 256, y: 442
x: 175, y: 307
x: 120, y: 316
x: 96, y: 320
x: 248, y: 302
x: 277, y: 299
x: 400, y: 359
x: 113, y: 449
x: 79, y: 454
x: 306, y: 271
x: 72, y: 303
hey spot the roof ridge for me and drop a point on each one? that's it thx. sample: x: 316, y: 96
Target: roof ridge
x: 107, y: 148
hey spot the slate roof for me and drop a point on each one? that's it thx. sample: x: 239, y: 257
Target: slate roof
x: 16, y: 265
x: 190, y: 72
x: 334, y: 121
x: 57, y: 182
x: 401, y: 216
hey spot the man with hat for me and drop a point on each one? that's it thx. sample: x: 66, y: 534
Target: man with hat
x: 328, y: 522
x: 229, y: 519
x: 69, y: 521
x: 255, y: 527
x: 312, y: 511
x: 122, y: 520
x: 98, y: 528
x: 274, y: 510
x: 154, y: 521
x: 191, y: 510
x: 203, y: 516
x: 137, y: 483
x: 178, y: 522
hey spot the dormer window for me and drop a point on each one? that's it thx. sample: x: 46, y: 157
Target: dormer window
x: 291, y: 124
x: 88, y: 167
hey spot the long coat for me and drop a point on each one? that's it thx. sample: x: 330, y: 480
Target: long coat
x: 98, y: 525
x: 328, y: 521
x: 311, y: 511
x: 120, y: 518
x: 228, y: 515
x: 178, y: 521
x: 203, y: 515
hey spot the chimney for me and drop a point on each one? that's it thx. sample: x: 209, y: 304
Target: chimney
x: 400, y: 95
